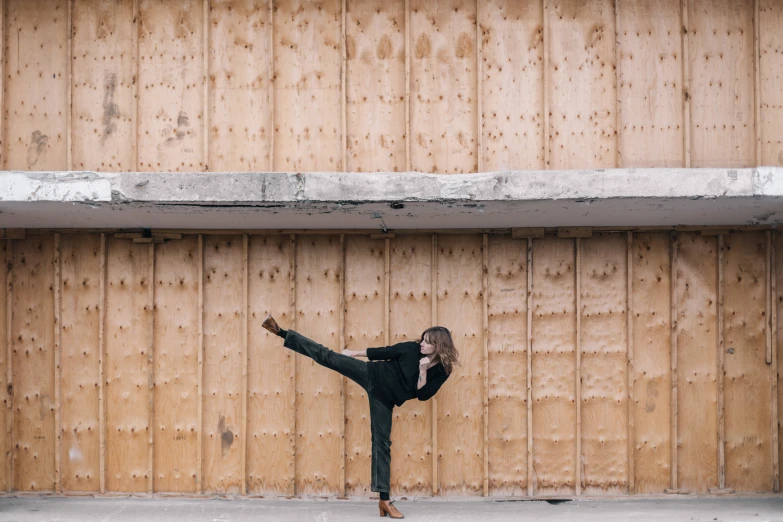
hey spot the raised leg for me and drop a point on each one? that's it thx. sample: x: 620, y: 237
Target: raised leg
x: 354, y: 369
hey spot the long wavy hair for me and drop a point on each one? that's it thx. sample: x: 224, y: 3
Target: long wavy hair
x: 445, y: 352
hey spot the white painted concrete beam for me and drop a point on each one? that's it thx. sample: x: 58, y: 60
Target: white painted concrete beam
x: 612, y: 197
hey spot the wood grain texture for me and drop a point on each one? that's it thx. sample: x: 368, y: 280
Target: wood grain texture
x: 318, y: 400
x: 171, y: 94
x: 460, y: 408
x: 554, y: 366
x: 652, y: 358
x: 720, y: 39
x: 507, y: 351
x: 444, y: 123
x: 5, y: 366
x: 771, y: 72
x: 364, y: 327
x: 376, y: 83
x: 223, y: 426
x: 697, y: 344
x: 35, y: 85
x: 649, y: 87
x: 103, y: 77
x: 240, y: 107
x: 175, y: 464
x: 410, y: 307
x: 511, y: 69
x: 271, y: 415
x: 777, y: 297
x: 582, y: 84
x: 307, y: 76
x: 747, y: 376
x: 33, y: 364
x: 80, y: 257
x: 604, y: 394
x: 127, y: 369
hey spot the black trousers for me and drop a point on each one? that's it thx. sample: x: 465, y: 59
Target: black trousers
x: 380, y: 407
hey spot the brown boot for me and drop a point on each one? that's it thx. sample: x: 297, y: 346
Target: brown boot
x: 271, y: 325
x: 386, y: 508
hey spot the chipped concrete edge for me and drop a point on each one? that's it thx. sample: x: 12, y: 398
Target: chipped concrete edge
x: 286, y: 187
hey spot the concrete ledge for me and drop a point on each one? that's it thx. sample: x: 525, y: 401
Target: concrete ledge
x: 628, y: 197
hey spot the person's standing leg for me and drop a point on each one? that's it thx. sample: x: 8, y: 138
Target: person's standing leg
x: 380, y: 427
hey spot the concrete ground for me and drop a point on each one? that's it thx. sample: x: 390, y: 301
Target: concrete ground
x: 88, y: 509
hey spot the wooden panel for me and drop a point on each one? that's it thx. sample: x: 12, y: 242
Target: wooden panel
x: 410, y: 313
x: 33, y: 363
x: 649, y: 85
x: 171, y: 75
x: 444, y: 119
x: 240, y: 111
x: 582, y: 122
x: 747, y: 376
x: 103, y: 114
x: 307, y: 75
x: 507, y: 354
x: 79, y: 361
x: 604, y: 377
x: 364, y: 327
x: 651, y: 323
x: 5, y: 344
x: 777, y: 239
x: 127, y: 370
x: 554, y: 366
x: 771, y: 74
x: 271, y: 414
x: 697, y: 362
x: 223, y: 424
x: 318, y: 400
x: 512, y: 70
x: 175, y: 363
x: 376, y: 81
x: 460, y: 400
x: 35, y: 87
x: 721, y: 47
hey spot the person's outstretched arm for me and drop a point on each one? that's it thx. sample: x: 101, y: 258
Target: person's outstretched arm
x: 384, y: 353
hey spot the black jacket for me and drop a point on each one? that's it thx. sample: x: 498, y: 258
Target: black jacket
x: 398, y: 373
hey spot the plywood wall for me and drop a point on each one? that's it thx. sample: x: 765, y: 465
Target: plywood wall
x: 554, y: 366
x: 365, y: 326
x: 748, y: 377
x: 320, y: 420
x: 81, y: 280
x: 650, y: 295
x: 376, y: 84
x: 271, y: 379
x: 103, y: 86
x: 696, y: 301
x: 451, y: 86
x: 177, y: 435
x: 6, y: 480
x: 770, y: 68
x: 224, y: 366
x: 603, y: 372
x: 139, y: 368
x: 508, y: 356
x: 410, y: 313
x: 128, y: 370
x: 460, y: 408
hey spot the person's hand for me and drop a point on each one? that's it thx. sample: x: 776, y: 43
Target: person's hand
x: 351, y: 353
x: 424, y: 363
